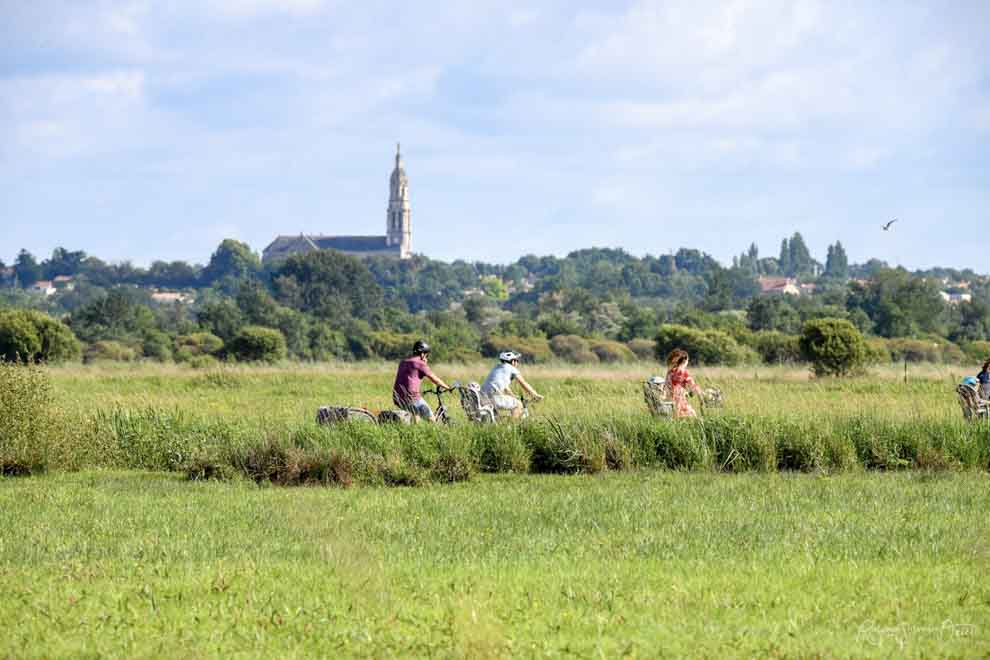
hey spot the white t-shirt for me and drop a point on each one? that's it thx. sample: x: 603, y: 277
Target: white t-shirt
x: 499, y: 379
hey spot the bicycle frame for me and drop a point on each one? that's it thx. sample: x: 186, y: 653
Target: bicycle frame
x: 441, y: 412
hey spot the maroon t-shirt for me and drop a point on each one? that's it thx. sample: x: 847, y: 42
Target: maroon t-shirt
x: 411, y: 373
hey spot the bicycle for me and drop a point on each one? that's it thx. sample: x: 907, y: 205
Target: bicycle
x: 440, y: 414
x: 479, y: 408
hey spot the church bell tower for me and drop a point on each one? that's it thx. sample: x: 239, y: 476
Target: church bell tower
x: 398, y: 225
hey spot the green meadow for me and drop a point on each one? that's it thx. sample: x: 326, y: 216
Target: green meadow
x: 151, y: 516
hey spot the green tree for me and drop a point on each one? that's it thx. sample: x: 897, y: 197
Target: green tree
x: 175, y: 274
x: 474, y: 309
x: 834, y: 347
x: 800, y: 259
x: 837, y: 263
x: 27, y: 269
x: 121, y: 315
x: 974, y: 322
x: 231, y: 263
x: 784, y: 260
x: 328, y: 285
x: 772, y: 313
x: 63, y: 262
x: 221, y: 317
x: 900, y: 304
x: 719, y: 295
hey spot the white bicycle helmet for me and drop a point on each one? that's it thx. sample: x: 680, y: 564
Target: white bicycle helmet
x: 509, y: 356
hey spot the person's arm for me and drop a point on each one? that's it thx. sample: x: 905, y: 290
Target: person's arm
x: 438, y: 381
x: 527, y: 388
x: 697, y: 388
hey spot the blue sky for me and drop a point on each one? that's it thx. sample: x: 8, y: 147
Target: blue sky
x: 152, y: 130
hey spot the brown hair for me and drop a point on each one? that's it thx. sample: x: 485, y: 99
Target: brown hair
x: 986, y: 366
x: 676, y: 358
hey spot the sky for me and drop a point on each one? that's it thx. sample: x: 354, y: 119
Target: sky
x: 144, y: 130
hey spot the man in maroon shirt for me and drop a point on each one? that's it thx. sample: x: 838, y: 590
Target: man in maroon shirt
x: 406, y: 391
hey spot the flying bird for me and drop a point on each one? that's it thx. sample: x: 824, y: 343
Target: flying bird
x: 887, y: 226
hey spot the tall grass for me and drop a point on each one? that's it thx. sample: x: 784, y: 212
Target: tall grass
x: 25, y: 419
x: 258, y: 424
x: 171, y: 440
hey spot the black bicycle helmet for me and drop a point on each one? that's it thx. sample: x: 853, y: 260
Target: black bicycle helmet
x: 420, y: 347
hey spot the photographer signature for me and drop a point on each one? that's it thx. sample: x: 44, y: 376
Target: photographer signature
x: 901, y: 633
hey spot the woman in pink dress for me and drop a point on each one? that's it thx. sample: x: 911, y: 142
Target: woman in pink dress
x: 679, y: 381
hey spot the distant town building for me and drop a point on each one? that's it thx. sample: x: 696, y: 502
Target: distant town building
x: 779, y: 285
x: 169, y: 297
x: 956, y: 298
x: 397, y: 241
x: 66, y: 282
x: 43, y: 286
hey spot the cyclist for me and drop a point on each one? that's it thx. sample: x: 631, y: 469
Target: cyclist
x: 406, y: 392
x: 496, y: 387
x: 983, y: 378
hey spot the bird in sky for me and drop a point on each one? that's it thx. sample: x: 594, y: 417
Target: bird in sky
x: 886, y: 227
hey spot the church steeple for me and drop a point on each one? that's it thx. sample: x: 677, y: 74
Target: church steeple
x: 398, y: 226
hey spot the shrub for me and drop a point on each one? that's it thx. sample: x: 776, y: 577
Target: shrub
x: 776, y: 347
x: 977, y: 351
x: 924, y: 350
x: 643, y: 349
x: 877, y: 351
x: 19, y: 340
x: 157, y: 346
x: 704, y: 346
x: 255, y: 343
x: 391, y: 345
x: 109, y: 351
x: 611, y: 351
x: 197, y: 343
x: 833, y: 346
x: 534, y: 350
x: 573, y: 349
x: 36, y: 337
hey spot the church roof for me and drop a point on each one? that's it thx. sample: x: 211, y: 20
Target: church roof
x: 285, y: 246
x: 350, y: 243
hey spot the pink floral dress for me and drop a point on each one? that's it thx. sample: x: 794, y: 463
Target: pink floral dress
x: 678, y: 382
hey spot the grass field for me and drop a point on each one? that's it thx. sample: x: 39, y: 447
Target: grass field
x: 828, y: 518
x: 635, y: 564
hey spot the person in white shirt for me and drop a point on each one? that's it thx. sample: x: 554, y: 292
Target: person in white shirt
x: 497, y: 387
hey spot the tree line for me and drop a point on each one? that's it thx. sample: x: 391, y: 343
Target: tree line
x: 592, y: 305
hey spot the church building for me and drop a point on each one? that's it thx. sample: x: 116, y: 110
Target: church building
x: 397, y: 241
